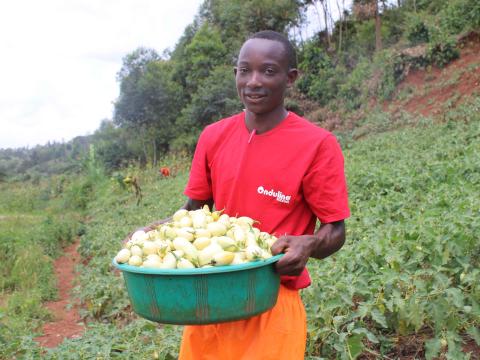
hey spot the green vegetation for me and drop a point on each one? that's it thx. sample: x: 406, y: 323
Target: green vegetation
x: 411, y: 263
x: 36, y: 221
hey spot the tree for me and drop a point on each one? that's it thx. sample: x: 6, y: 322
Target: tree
x: 342, y: 13
x: 178, y: 57
x: 237, y: 19
x: 113, y: 146
x: 202, y: 54
x: 319, y: 75
x: 149, y: 100
x: 129, y: 108
x: 326, y: 16
x: 378, y: 28
x: 217, y: 99
x: 367, y: 9
x: 134, y: 64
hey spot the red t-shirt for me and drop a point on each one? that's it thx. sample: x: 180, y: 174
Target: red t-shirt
x: 285, y: 178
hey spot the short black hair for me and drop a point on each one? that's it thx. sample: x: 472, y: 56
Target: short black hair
x: 287, y: 45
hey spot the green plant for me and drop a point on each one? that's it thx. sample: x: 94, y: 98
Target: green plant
x: 35, y: 224
x: 406, y: 93
x: 354, y: 91
x: 319, y: 77
x: 460, y: 15
x: 441, y: 53
x: 386, y: 65
x: 416, y: 29
x: 293, y: 105
x: 405, y: 268
x: 218, y: 99
x: 140, y: 339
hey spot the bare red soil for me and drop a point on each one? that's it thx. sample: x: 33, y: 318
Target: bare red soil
x: 67, y: 322
x: 432, y: 91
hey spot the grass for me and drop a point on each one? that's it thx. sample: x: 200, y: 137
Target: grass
x: 472, y: 67
x: 35, y: 223
x: 406, y: 94
x: 453, y: 79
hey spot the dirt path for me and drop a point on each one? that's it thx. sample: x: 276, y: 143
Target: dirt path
x: 67, y: 322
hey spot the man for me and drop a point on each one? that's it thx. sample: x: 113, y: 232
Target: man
x: 277, y: 168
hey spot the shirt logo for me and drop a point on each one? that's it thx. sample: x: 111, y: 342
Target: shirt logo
x: 280, y: 197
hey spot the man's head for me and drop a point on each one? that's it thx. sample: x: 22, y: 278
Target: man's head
x: 266, y: 67
x: 290, y: 52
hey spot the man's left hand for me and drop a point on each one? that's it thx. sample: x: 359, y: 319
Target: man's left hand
x: 326, y: 241
x: 297, y: 250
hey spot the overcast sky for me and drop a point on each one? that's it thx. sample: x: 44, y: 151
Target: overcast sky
x: 59, y: 60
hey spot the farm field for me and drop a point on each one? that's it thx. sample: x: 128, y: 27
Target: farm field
x: 405, y: 285
x: 36, y: 221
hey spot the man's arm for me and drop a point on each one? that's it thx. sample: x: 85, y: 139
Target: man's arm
x: 326, y: 241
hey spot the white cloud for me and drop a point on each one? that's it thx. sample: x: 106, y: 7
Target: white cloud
x: 60, y: 58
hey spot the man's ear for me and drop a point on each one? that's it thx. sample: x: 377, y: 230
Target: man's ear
x: 235, y: 71
x: 292, y: 77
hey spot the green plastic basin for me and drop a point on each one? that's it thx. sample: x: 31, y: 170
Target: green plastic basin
x: 202, y: 295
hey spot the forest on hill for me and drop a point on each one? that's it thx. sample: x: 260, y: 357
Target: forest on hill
x: 166, y: 98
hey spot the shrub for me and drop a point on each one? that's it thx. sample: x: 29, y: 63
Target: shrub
x: 387, y: 66
x: 319, y: 79
x: 416, y: 29
x: 354, y: 90
x: 442, y: 50
x: 293, y: 105
x: 460, y: 15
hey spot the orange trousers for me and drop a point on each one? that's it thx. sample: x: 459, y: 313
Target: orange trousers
x: 278, y: 334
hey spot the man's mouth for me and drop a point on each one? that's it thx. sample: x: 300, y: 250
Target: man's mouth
x: 254, y: 97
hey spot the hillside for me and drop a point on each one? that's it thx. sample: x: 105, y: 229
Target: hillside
x: 424, y: 92
x: 434, y: 90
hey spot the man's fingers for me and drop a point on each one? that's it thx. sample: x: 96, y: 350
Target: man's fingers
x: 279, y: 246
x: 287, y: 266
x: 284, y: 261
x: 293, y: 262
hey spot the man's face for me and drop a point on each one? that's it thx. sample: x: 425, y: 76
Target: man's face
x: 262, y: 75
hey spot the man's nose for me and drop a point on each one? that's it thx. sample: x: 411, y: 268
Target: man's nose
x: 254, y: 80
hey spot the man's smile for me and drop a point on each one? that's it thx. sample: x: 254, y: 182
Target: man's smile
x: 254, y: 97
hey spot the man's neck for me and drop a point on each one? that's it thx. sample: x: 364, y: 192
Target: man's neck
x: 265, y: 122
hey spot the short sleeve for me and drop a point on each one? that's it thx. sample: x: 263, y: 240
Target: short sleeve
x: 199, y: 186
x: 324, y: 186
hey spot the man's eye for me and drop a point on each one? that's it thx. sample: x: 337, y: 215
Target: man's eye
x: 269, y: 71
x: 243, y: 70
